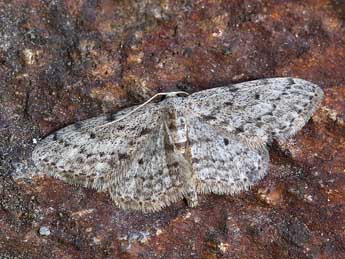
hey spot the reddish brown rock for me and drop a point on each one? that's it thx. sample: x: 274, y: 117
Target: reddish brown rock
x: 64, y: 61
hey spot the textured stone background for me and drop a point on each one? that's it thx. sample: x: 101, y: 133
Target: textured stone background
x: 64, y: 61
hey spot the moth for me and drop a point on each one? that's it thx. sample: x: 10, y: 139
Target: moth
x: 212, y: 141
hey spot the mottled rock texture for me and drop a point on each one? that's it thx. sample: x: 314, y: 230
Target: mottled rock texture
x: 64, y: 61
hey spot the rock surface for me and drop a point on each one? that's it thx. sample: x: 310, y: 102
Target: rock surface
x: 64, y: 61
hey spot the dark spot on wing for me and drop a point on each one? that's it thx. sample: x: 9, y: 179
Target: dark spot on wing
x: 55, y: 137
x: 182, y: 121
x: 257, y: 96
x: 233, y: 89
x: 110, y: 117
x: 290, y: 81
x: 239, y: 130
x: 208, y: 117
x: 140, y: 161
x: 77, y: 125
x: 89, y: 155
x: 284, y: 93
x: 195, y: 160
x: 228, y: 103
x: 259, y: 124
x: 172, y: 126
x: 145, y: 131
x: 172, y: 165
x: 123, y: 156
x: 275, y: 99
x: 264, y: 82
x: 79, y: 160
x: 101, y: 154
x: 92, y: 135
x: 226, y: 141
x: 299, y: 111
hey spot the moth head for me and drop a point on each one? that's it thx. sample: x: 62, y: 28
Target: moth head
x: 176, y: 94
x: 167, y: 95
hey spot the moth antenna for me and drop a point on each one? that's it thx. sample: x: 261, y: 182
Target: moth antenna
x: 167, y: 94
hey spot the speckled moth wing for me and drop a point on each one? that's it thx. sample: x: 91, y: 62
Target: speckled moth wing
x: 257, y: 111
x: 223, y: 164
x: 157, y: 176
x: 212, y: 141
x: 89, y: 155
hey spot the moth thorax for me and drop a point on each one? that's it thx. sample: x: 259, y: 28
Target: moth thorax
x: 178, y: 131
